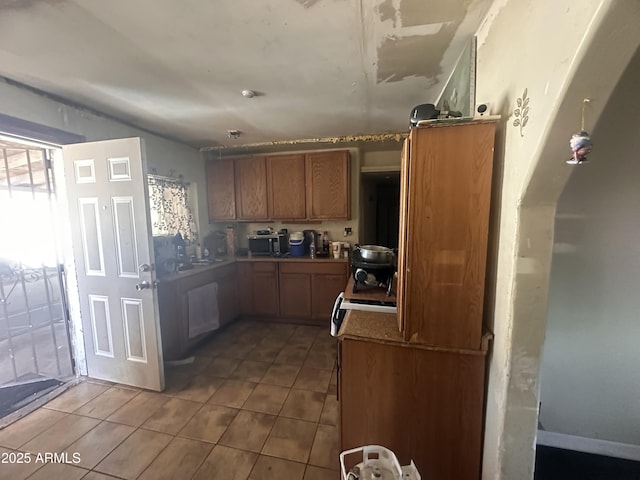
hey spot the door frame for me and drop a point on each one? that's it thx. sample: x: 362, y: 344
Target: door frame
x: 69, y: 263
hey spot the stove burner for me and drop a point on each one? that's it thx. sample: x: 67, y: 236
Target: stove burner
x: 371, y: 275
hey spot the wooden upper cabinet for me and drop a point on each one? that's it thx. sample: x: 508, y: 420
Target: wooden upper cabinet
x: 286, y: 187
x: 328, y: 182
x: 445, y: 223
x: 251, y: 188
x: 221, y: 197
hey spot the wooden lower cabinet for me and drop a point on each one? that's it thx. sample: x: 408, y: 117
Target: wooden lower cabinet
x: 245, y: 288
x: 295, y: 294
x: 173, y: 305
x: 325, y: 287
x: 265, y: 289
x: 424, y: 404
x: 258, y: 289
x: 308, y: 290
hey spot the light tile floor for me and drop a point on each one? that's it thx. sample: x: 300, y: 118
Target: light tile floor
x: 257, y: 403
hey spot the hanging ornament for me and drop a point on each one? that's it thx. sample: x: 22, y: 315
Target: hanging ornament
x: 580, y: 142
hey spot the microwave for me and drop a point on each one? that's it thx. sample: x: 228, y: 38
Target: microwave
x: 274, y: 244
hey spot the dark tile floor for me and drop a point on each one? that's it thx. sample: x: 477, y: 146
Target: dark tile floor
x: 257, y: 403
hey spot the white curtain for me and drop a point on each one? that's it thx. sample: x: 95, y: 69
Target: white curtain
x: 170, y: 210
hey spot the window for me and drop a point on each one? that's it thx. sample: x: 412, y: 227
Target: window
x: 170, y: 209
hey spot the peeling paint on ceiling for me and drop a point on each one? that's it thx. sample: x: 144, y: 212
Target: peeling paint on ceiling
x: 424, y: 12
x: 325, y: 68
x: 413, y: 56
x: 416, y: 47
x: 387, y: 11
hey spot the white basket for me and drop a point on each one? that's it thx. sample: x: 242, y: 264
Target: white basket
x: 378, y: 456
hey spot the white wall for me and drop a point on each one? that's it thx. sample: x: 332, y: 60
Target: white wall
x: 162, y: 154
x: 561, y: 52
x: 382, y: 160
x: 590, y: 380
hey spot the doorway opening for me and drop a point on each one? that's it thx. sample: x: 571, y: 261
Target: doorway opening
x: 35, y: 347
x: 380, y: 208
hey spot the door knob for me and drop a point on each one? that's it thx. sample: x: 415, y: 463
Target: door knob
x: 144, y: 284
x: 145, y: 267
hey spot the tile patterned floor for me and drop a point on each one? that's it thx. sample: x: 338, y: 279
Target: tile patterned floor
x: 258, y: 403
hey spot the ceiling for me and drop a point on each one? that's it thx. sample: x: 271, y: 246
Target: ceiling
x: 320, y: 68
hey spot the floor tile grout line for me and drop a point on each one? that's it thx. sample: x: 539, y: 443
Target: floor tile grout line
x: 309, y: 344
x: 165, y: 447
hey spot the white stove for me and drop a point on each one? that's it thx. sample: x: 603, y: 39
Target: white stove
x: 342, y: 305
x: 367, y: 307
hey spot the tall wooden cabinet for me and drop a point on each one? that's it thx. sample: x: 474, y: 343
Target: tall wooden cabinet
x: 444, y: 232
x: 424, y: 403
x: 415, y: 382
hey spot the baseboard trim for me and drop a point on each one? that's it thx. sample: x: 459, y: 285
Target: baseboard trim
x: 589, y: 445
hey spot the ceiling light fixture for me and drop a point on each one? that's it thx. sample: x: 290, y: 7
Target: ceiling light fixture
x: 233, y: 133
x: 248, y: 93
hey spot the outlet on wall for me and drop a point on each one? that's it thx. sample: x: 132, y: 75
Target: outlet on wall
x: 347, y: 231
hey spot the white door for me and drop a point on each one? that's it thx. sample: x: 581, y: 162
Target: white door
x: 108, y: 205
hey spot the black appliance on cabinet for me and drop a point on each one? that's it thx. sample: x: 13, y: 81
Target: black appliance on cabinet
x: 368, y: 274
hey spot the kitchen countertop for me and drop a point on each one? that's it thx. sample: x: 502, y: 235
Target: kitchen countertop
x: 231, y: 260
x: 293, y: 259
x: 361, y: 325
x: 195, y: 270
x: 383, y: 328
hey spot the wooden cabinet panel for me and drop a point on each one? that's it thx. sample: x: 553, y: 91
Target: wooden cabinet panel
x: 402, y: 235
x: 325, y: 289
x: 221, y: 190
x: 295, y: 295
x: 446, y: 222
x: 251, y: 188
x: 265, y: 294
x: 309, y: 290
x: 245, y: 289
x: 258, y: 288
x: 173, y: 303
x: 328, y: 185
x: 226, y: 277
x: 424, y: 405
x: 286, y: 187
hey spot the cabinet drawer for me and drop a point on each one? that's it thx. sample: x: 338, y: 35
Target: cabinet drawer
x: 314, y: 267
x: 295, y: 267
x: 264, y: 266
